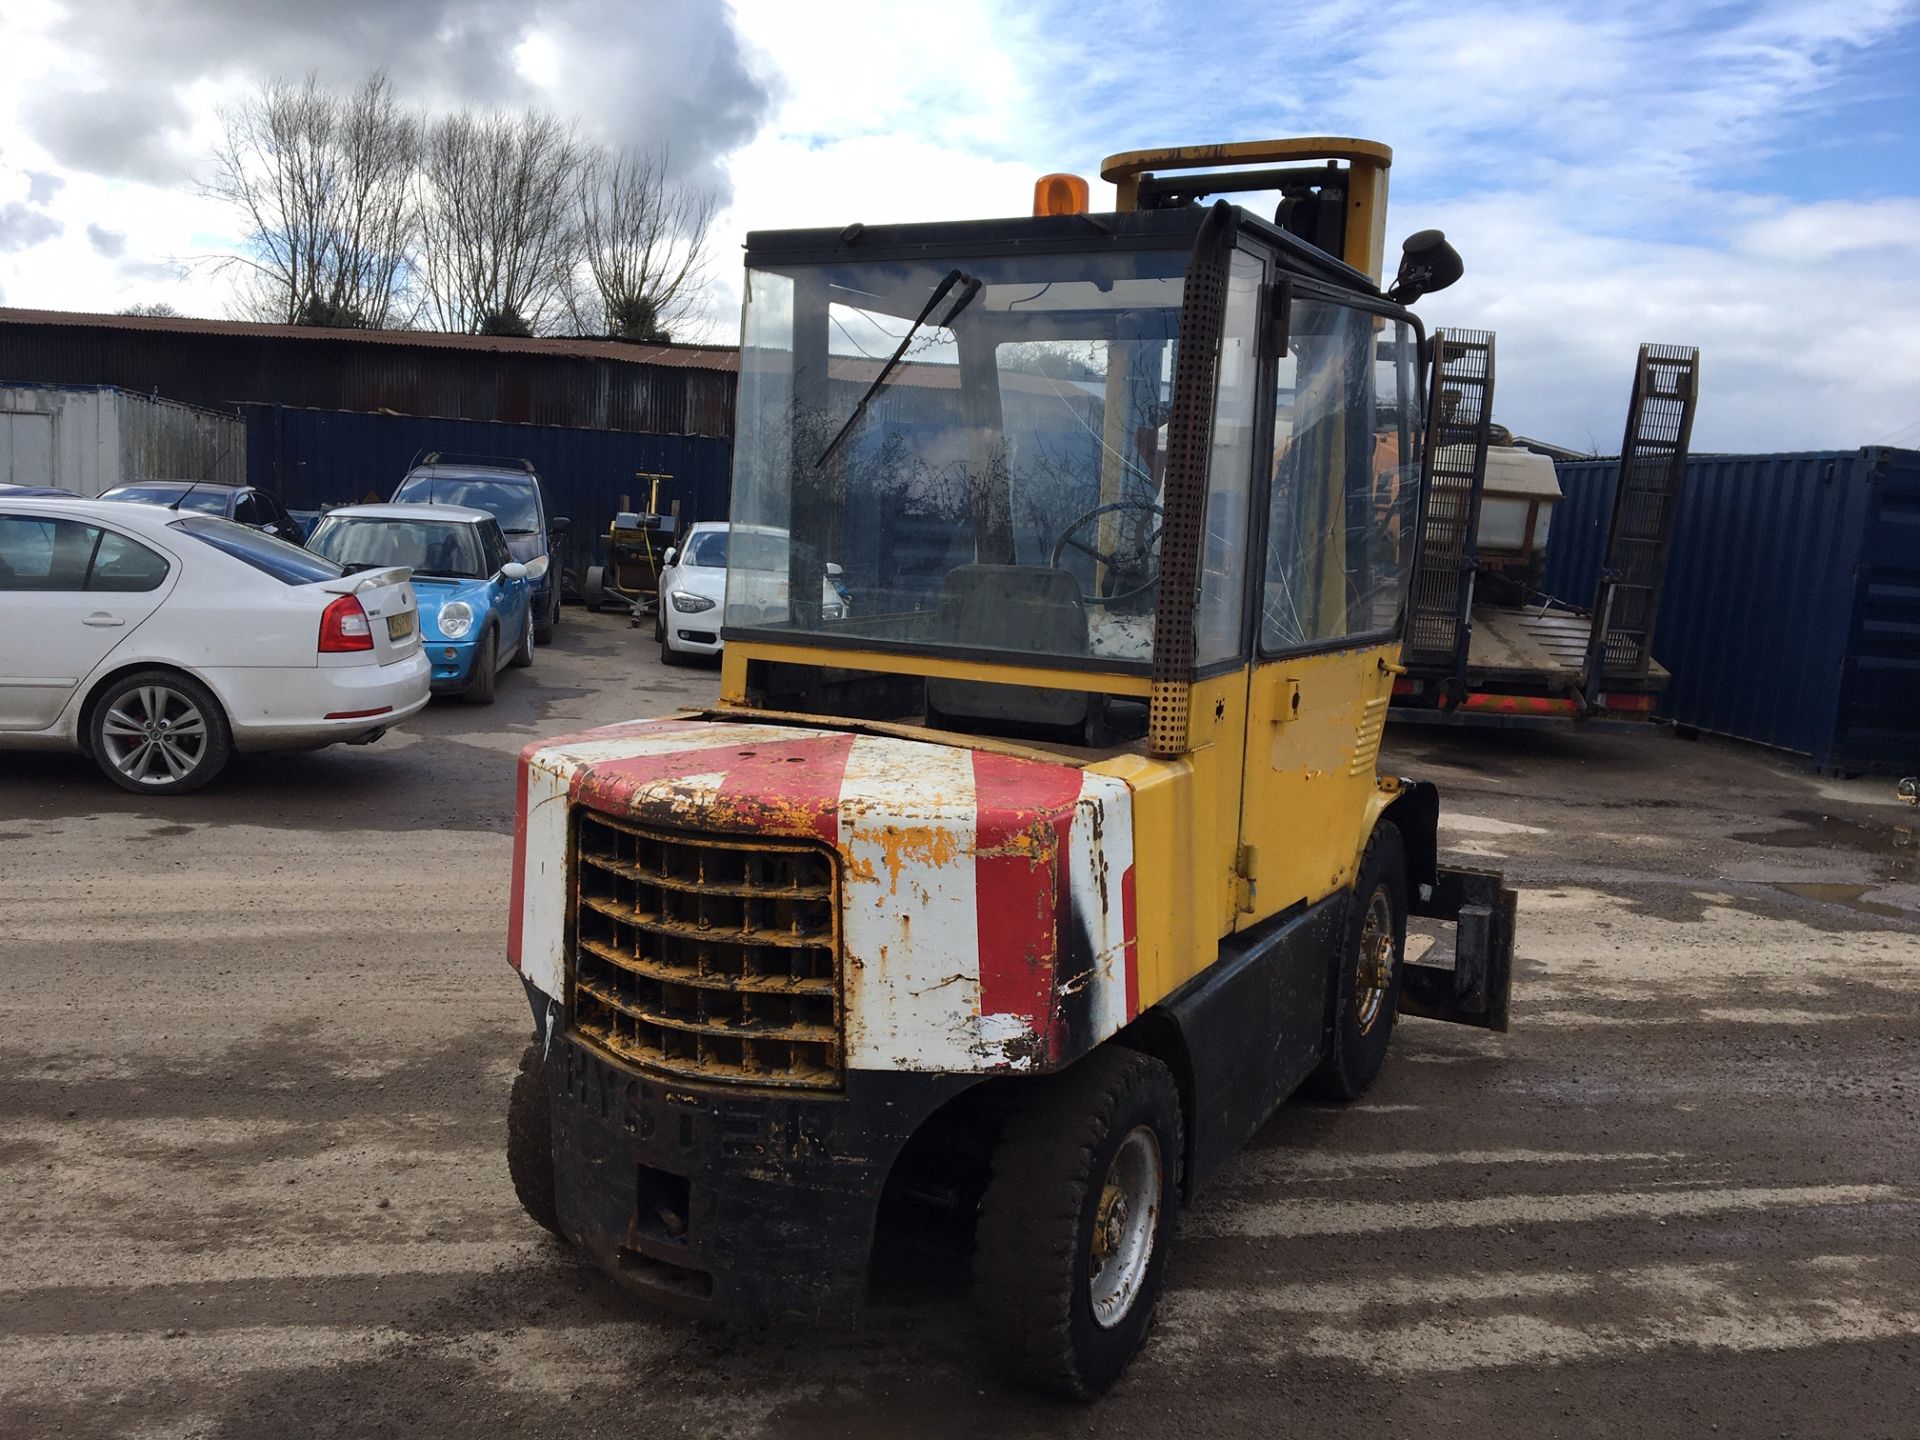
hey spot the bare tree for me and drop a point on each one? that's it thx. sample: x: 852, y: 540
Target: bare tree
x: 500, y: 225
x: 322, y: 184
x: 643, y: 240
x: 154, y: 309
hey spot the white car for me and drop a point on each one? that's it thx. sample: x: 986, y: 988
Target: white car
x: 693, y: 586
x: 160, y: 641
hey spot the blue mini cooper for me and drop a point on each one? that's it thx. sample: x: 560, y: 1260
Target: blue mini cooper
x: 475, y: 599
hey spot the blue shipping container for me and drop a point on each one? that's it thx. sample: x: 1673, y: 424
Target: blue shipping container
x: 1791, y: 612
x: 311, y: 458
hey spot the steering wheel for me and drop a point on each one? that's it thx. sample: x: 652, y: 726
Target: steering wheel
x: 1140, y: 555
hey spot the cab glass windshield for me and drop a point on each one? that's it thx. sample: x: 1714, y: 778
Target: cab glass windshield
x: 996, y: 488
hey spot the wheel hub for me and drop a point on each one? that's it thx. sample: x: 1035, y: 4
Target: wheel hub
x: 1125, y: 1217
x: 1373, y: 966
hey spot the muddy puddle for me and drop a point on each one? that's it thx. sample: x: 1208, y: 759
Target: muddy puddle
x: 1890, y: 848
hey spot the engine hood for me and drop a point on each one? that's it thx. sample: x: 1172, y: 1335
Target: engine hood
x: 986, y: 899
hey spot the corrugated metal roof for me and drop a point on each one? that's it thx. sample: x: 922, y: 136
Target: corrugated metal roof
x: 594, y: 384
x: 692, y: 357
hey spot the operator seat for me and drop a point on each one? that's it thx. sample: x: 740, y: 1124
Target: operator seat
x: 1021, y: 609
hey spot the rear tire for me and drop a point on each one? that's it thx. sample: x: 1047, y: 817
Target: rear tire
x: 157, y: 732
x: 1077, y: 1221
x: 486, y: 668
x: 530, y: 1142
x: 1367, y: 983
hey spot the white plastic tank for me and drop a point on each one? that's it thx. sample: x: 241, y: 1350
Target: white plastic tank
x: 1516, y: 508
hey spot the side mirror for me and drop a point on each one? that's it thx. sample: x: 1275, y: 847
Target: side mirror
x: 834, y: 571
x: 667, y: 559
x: 534, y: 569
x: 1427, y: 264
x: 559, y: 525
x: 513, y: 570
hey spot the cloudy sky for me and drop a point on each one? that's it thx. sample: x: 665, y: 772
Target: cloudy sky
x: 1744, y: 177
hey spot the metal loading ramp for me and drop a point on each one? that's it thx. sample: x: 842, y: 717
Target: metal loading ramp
x: 1653, y: 465
x: 1459, y: 411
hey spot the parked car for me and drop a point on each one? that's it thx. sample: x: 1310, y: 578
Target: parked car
x: 241, y: 504
x: 511, y: 491
x: 475, y: 599
x: 160, y: 642
x: 27, y: 492
x: 693, y: 586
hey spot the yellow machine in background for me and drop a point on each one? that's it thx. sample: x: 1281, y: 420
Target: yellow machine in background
x: 637, y: 542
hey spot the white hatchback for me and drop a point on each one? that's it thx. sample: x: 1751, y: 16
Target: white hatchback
x: 160, y: 642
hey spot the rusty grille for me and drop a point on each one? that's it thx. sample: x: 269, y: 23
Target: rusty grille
x: 713, y: 959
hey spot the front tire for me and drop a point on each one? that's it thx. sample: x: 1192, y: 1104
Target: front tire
x: 530, y: 1142
x: 543, y: 632
x: 1367, y: 986
x: 159, y: 733
x: 486, y: 668
x: 669, y: 655
x: 523, y: 652
x: 1077, y: 1221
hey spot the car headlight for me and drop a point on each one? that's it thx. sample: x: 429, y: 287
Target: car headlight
x: 688, y: 603
x: 456, y: 619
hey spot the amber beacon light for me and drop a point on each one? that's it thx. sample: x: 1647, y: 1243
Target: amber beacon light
x: 1060, y: 195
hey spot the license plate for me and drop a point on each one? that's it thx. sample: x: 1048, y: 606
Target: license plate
x: 400, y: 626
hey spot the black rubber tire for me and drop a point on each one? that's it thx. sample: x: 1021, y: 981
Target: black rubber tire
x: 1033, y: 1245
x: 671, y: 656
x: 213, y: 758
x: 486, y: 670
x: 1354, y: 1058
x: 543, y: 630
x: 660, y: 622
x: 530, y: 1142
x: 523, y: 652
x: 593, y: 591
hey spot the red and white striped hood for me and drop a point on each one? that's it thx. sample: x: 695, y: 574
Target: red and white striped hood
x: 987, y: 900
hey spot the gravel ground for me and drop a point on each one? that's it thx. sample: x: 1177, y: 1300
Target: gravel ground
x: 255, y: 1047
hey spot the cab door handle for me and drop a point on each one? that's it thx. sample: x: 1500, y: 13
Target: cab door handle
x: 101, y: 619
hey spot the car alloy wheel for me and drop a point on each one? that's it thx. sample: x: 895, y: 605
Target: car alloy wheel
x: 155, y: 736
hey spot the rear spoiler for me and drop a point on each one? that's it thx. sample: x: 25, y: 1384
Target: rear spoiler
x: 358, y: 581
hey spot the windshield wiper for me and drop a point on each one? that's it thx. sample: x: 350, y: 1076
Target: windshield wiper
x: 970, y: 287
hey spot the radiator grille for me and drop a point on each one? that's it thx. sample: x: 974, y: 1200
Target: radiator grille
x: 708, y: 958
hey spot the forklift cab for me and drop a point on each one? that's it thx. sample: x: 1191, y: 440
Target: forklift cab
x: 1143, y: 487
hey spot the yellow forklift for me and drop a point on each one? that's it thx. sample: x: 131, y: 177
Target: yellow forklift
x: 1003, y: 907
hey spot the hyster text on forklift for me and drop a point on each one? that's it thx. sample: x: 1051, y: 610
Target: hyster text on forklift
x: 1006, y: 904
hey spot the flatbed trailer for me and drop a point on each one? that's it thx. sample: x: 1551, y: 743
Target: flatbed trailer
x: 1471, y: 660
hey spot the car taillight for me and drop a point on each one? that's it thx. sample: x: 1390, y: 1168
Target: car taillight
x: 344, y: 627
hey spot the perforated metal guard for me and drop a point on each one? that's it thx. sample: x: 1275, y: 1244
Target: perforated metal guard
x: 1653, y: 463
x: 712, y: 958
x: 1190, y: 445
x: 1440, y: 625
